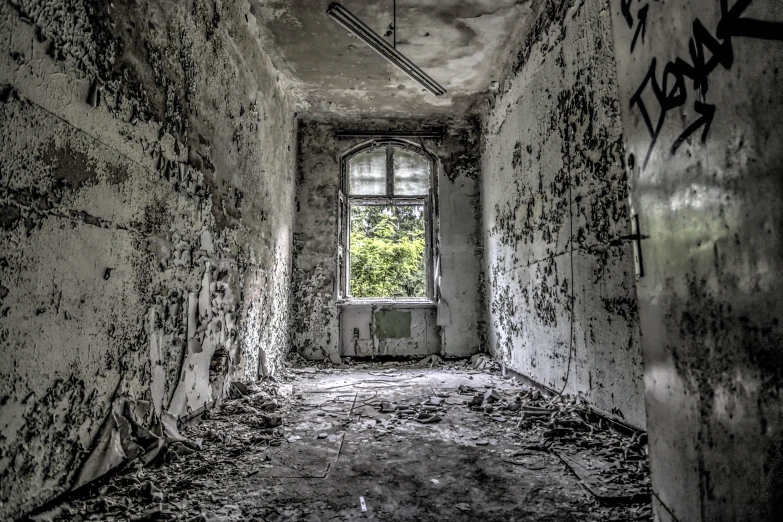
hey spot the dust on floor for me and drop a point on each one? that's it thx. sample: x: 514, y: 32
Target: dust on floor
x: 391, y: 442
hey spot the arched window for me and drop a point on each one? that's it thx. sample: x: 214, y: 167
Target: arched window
x: 386, y: 222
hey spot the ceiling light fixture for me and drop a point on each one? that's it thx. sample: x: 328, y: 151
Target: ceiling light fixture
x: 344, y: 17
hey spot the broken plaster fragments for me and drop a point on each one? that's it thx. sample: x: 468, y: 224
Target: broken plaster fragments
x: 126, y: 436
x: 609, y: 459
x: 237, y: 438
x: 151, y: 458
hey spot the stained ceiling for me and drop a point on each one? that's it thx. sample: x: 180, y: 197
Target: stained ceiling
x: 462, y: 44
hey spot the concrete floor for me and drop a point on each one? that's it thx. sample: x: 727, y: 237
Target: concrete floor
x: 335, y: 449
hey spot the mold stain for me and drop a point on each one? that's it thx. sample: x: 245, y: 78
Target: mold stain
x: 559, y: 210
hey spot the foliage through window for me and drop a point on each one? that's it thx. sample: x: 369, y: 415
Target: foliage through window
x: 387, y: 213
x: 387, y: 251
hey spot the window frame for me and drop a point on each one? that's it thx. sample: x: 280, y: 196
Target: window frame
x: 346, y: 201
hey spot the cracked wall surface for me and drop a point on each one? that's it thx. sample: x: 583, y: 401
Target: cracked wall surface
x: 147, y: 189
x: 555, y: 205
x: 315, y: 318
x: 706, y: 183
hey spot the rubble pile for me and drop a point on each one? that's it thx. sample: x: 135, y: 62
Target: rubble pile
x: 298, y: 365
x: 425, y: 410
x: 182, y: 481
x: 196, y: 472
x: 294, y: 361
x: 609, y: 458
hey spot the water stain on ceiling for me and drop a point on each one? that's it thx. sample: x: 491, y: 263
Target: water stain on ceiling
x: 462, y: 44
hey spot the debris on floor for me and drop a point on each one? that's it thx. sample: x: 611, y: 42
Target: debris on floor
x: 490, y: 447
x: 152, y: 483
x: 609, y: 459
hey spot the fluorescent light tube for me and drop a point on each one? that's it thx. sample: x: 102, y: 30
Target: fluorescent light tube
x: 345, y: 18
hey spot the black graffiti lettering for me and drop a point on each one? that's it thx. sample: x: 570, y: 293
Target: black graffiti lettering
x: 686, y: 69
x: 736, y: 10
x: 636, y: 99
x: 642, y: 25
x: 677, y: 95
x: 707, y: 112
x: 732, y: 25
x: 671, y: 92
x: 722, y: 54
x: 667, y: 95
x: 625, y: 8
x: 729, y: 17
x: 759, y: 29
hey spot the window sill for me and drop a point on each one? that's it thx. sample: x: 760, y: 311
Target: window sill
x: 388, y: 303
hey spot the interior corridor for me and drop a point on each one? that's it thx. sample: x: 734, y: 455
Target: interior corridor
x: 391, y: 259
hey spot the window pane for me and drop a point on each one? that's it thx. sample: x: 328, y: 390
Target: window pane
x: 411, y: 174
x: 388, y: 251
x: 367, y: 173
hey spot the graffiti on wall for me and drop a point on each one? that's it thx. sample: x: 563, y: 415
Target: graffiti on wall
x: 641, y: 19
x: 658, y: 94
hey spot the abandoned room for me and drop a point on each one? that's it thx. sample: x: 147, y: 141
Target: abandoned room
x: 405, y: 260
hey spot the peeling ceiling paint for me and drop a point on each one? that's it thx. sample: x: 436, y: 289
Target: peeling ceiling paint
x: 463, y: 44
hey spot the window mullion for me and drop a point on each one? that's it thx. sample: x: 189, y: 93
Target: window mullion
x: 347, y: 248
x: 389, y: 171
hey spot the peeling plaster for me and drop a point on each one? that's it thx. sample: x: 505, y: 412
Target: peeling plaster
x: 555, y: 205
x: 144, y: 173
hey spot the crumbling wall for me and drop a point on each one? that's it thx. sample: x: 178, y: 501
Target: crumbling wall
x: 146, y: 185
x: 315, y: 316
x: 560, y: 281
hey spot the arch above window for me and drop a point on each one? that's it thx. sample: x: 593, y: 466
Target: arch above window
x: 387, y: 169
